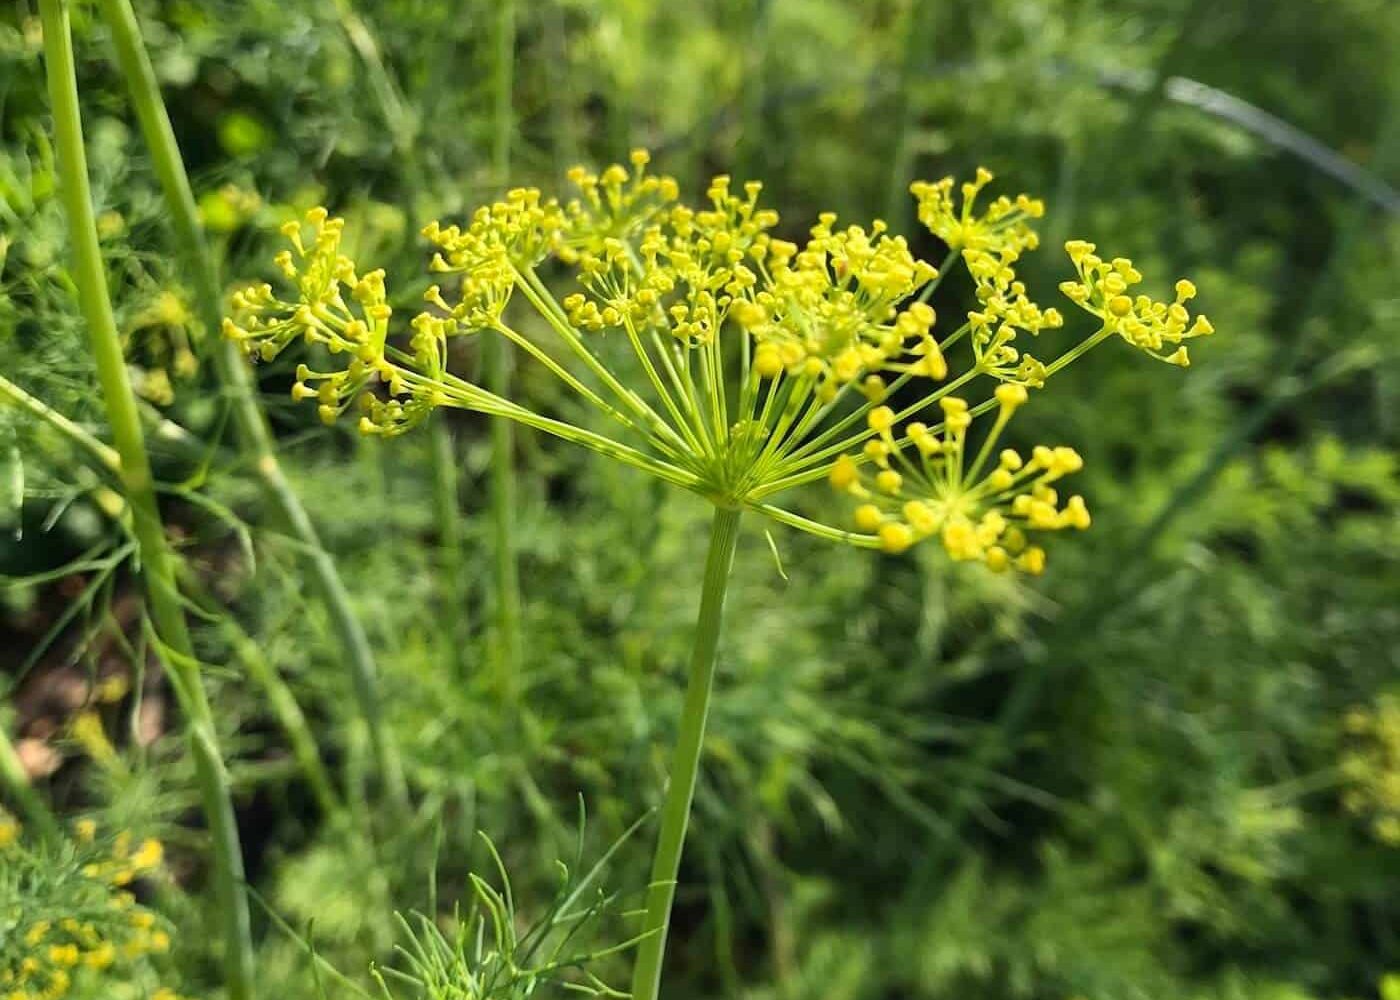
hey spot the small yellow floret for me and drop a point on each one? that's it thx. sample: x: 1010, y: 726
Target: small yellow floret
x: 868, y: 517
x: 844, y: 473
x: 888, y: 481
x: 768, y: 361
x: 881, y: 419
x: 895, y: 536
x: 1010, y: 395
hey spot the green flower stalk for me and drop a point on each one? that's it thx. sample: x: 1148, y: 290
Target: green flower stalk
x: 138, y: 485
x: 496, y: 365
x: 254, y: 436
x: 757, y: 365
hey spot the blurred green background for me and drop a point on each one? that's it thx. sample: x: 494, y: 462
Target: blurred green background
x: 1169, y: 768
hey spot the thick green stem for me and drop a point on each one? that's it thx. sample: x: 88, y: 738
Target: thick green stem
x: 685, y: 759
x: 15, y: 782
x: 139, y: 486
x: 496, y: 361
x: 255, y: 438
x: 503, y: 89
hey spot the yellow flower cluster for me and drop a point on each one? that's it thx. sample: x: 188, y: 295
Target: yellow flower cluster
x: 611, y: 208
x: 515, y: 233
x: 338, y: 308
x: 123, y: 865
x: 826, y: 309
x: 686, y: 272
x: 1102, y: 291
x: 933, y: 492
x: 1004, y: 310
x: 831, y: 310
x: 761, y: 364
x: 161, y: 335
x: 1004, y: 226
x: 68, y: 919
x: 1372, y: 767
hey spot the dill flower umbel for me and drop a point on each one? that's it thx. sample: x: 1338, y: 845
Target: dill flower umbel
x: 761, y: 364
x: 922, y: 486
x: 1101, y: 290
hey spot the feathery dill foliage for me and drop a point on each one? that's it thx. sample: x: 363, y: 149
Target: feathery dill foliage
x: 39, y: 322
x: 68, y: 920
x: 761, y: 364
x: 487, y: 953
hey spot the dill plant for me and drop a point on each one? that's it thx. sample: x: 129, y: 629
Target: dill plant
x: 761, y: 365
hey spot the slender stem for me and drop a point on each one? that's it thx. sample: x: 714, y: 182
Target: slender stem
x: 640, y: 350
x: 506, y: 647
x: 157, y: 568
x: 806, y: 524
x: 496, y: 361
x: 466, y: 396
x: 280, y: 698
x: 15, y: 781
x: 290, y: 717
x: 685, y: 759
x: 254, y: 435
x: 751, y: 136
x: 402, y: 125
x: 804, y: 466
x: 549, y: 309
x: 564, y: 375
x: 927, y: 291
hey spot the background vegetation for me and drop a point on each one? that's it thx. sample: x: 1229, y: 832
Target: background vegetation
x: 1168, y: 769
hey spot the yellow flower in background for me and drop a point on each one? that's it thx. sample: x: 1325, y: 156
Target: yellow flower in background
x: 1371, y: 767
x: 9, y: 830
x: 88, y: 732
x: 66, y: 922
